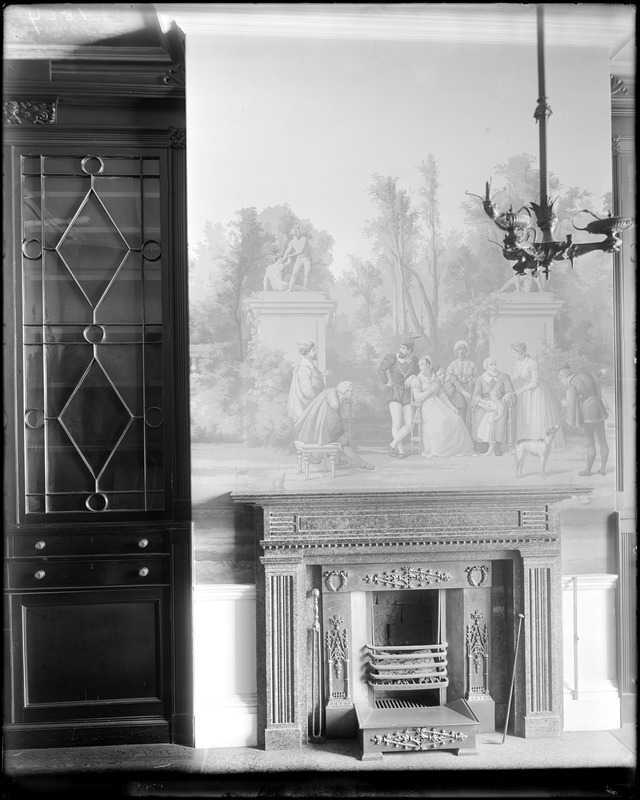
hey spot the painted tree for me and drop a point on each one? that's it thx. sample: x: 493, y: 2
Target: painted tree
x: 366, y: 282
x: 243, y: 267
x: 395, y: 236
x: 433, y: 245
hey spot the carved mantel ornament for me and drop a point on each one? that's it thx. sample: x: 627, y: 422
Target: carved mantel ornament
x: 29, y: 112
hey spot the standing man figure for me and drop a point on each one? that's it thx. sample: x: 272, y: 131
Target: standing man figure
x: 394, y: 370
x: 586, y: 410
x: 298, y: 252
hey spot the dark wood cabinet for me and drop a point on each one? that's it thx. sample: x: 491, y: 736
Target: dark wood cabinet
x: 97, y: 569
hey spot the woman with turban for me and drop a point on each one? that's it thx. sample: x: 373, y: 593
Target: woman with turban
x: 536, y: 408
x: 461, y: 377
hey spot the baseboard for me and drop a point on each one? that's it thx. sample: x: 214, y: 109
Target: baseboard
x: 85, y: 733
x: 628, y: 710
x: 592, y: 711
x: 231, y: 722
x: 225, y: 678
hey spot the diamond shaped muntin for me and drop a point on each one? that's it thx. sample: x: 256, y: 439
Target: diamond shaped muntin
x: 111, y: 417
x: 114, y: 244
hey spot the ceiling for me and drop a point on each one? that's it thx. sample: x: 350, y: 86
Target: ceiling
x: 121, y: 30
x: 609, y: 25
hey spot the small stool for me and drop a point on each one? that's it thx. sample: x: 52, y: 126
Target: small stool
x: 325, y: 451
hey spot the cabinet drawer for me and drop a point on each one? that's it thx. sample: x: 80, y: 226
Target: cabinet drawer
x: 44, y: 574
x: 86, y: 544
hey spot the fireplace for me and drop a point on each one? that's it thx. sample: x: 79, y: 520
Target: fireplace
x: 391, y: 616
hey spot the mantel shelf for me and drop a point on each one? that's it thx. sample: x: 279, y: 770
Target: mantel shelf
x: 443, y: 495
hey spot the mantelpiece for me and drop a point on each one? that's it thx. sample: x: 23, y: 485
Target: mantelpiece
x: 491, y: 553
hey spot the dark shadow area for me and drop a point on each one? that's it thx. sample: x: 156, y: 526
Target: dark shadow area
x: 596, y: 783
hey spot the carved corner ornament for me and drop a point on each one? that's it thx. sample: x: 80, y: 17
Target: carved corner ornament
x: 336, y: 581
x: 174, y: 76
x: 477, y: 575
x: 618, y: 89
x: 29, y: 112
x: 177, y: 138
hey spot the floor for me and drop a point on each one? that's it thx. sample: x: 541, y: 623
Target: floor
x: 577, y: 764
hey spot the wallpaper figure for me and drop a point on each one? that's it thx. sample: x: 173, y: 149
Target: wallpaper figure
x: 298, y: 253
x: 491, y: 401
x: 536, y: 408
x: 586, y: 410
x: 461, y: 374
x: 307, y: 381
x: 273, y: 280
x: 444, y: 433
x: 394, y: 371
x: 323, y: 422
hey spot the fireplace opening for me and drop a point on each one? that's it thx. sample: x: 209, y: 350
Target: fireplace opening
x: 406, y: 662
x: 405, y: 617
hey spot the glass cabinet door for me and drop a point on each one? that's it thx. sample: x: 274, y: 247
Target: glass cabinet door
x: 94, y: 333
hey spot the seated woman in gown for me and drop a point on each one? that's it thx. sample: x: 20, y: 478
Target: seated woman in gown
x: 444, y: 433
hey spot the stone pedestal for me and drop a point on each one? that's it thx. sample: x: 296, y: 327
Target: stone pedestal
x: 522, y: 317
x: 282, y: 319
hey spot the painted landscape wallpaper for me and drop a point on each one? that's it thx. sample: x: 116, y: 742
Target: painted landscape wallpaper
x: 353, y: 321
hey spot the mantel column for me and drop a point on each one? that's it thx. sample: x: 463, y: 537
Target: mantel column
x: 280, y: 677
x: 542, y: 607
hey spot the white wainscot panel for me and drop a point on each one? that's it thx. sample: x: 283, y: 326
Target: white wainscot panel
x: 225, y: 665
x: 591, y: 697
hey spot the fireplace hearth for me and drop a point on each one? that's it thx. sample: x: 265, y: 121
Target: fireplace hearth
x: 391, y: 616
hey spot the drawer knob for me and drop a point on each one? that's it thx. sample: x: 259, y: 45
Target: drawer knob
x: 40, y: 545
x: 143, y: 572
x: 39, y: 575
x: 143, y: 543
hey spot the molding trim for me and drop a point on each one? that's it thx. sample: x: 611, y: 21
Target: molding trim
x: 92, y: 53
x: 588, y: 582
x: 211, y: 593
x: 107, y: 137
x: 593, y: 687
x: 591, y: 26
x: 242, y: 700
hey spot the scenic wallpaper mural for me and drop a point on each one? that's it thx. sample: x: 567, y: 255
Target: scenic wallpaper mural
x: 353, y: 321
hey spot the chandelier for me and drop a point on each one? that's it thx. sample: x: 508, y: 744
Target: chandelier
x: 536, y: 249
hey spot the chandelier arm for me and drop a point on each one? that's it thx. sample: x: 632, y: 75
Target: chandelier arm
x: 609, y: 245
